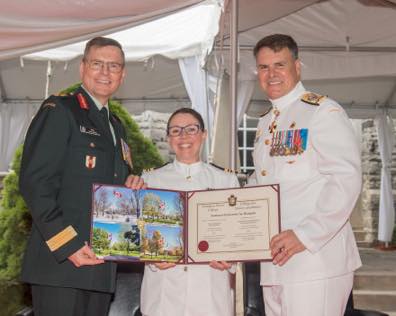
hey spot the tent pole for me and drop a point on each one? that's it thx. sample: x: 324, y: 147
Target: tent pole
x: 233, y: 80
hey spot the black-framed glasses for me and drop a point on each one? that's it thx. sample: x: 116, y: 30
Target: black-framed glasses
x: 191, y: 129
x: 111, y: 66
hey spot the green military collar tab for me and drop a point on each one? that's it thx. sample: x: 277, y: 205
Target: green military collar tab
x: 313, y: 98
x: 224, y: 169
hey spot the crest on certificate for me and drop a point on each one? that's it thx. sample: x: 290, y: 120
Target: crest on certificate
x: 232, y: 200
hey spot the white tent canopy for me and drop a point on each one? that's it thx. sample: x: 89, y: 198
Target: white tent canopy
x: 189, y: 32
x: 27, y: 26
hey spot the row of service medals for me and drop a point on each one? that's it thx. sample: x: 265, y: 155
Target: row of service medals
x: 287, y: 142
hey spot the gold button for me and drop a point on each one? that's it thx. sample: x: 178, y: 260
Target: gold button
x: 92, y: 145
x: 267, y: 141
x: 185, y: 269
x: 263, y: 173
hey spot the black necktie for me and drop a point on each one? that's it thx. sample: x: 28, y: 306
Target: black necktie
x: 104, y: 113
x: 105, y: 117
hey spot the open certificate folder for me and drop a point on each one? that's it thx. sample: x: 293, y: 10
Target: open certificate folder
x: 184, y: 226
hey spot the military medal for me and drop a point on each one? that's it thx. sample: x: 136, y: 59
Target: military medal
x: 90, y: 161
x: 273, y: 125
x: 126, y: 153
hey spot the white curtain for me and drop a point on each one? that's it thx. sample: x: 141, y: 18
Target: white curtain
x: 195, y: 81
x: 245, y: 91
x: 386, y: 143
x: 221, y: 144
x: 14, y: 121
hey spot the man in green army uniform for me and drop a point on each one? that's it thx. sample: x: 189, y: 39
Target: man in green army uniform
x: 71, y: 143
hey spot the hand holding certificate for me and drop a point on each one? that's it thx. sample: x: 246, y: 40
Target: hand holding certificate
x: 184, y: 227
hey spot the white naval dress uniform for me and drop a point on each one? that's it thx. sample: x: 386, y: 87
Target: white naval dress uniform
x: 318, y: 186
x: 187, y: 290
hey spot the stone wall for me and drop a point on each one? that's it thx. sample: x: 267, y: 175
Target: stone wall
x: 371, y: 167
x: 153, y: 125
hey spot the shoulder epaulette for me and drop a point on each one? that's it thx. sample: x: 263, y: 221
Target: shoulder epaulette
x: 223, y: 169
x: 312, y: 98
x: 266, y: 112
x: 48, y: 104
x: 155, y: 168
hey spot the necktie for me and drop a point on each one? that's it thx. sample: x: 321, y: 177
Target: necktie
x: 104, y: 114
x: 105, y: 117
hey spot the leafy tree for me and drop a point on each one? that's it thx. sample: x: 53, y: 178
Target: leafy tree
x: 151, y: 205
x: 15, y: 220
x: 158, y: 242
x: 100, y: 240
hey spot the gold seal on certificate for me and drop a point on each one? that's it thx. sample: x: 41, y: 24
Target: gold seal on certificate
x: 184, y: 226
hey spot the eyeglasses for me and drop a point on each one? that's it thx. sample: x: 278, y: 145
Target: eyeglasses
x: 192, y: 129
x: 111, y: 66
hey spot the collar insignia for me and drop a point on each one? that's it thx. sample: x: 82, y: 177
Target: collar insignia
x: 82, y: 101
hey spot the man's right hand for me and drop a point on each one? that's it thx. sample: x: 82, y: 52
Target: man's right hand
x: 84, y: 257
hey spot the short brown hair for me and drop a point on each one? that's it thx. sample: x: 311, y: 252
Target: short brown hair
x: 190, y: 111
x: 277, y: 42
x: 102, y: 42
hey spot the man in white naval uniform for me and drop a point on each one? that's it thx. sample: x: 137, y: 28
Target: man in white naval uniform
x: 187, y: 290
x: 305, y: 143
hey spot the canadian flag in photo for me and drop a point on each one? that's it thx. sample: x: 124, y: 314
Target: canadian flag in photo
x: 117, y: 194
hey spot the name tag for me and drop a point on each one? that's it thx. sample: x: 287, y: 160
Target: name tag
x: 89, y: 131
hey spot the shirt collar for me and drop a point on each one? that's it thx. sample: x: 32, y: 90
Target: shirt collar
x: 97, y: 103
x: 289, y: 98
x: 188, y: 169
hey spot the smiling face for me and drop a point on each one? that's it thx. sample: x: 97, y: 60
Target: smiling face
x: 278, y: 72
x: 101, y: 83
x: 186, y: 147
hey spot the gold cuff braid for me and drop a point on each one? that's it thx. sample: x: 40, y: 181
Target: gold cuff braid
x: 61, y: 238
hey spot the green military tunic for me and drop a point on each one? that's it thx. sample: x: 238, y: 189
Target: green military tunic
x: 68, y: 147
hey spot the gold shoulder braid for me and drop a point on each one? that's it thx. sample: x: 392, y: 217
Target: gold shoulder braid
x: 312, y: 98
x: 228, y: 170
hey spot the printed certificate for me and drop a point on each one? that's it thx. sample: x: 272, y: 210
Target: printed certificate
x: 185, y: 227
x: 232, y: 225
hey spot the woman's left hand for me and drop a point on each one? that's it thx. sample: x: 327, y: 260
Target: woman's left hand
x: 220, y: 265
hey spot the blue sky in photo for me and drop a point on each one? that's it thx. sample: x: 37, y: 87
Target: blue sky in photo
x: 113, y: 195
